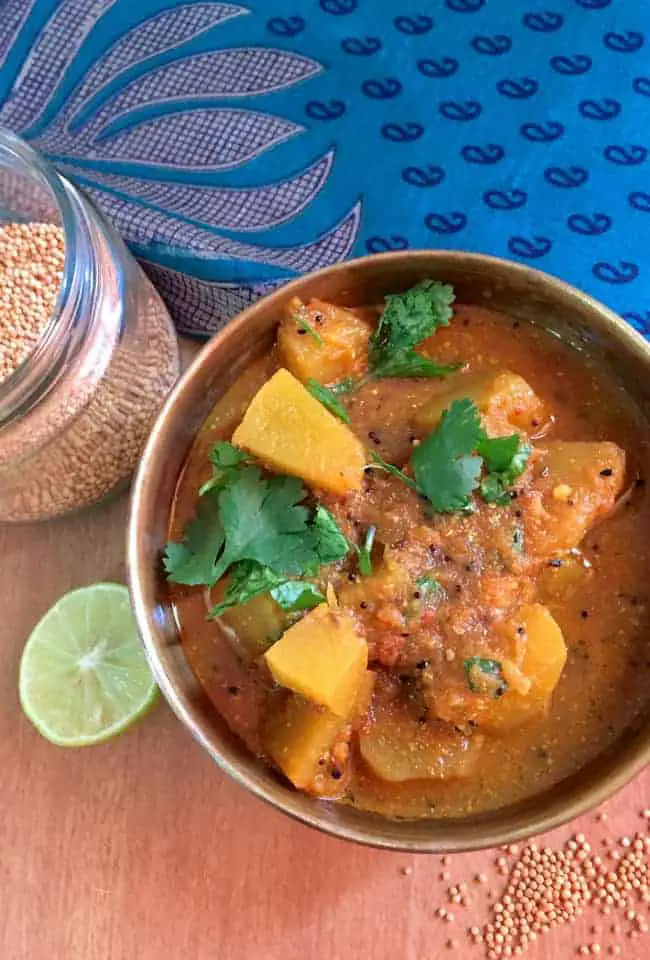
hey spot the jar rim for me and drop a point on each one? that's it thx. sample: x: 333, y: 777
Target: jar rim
x: 35, y: 167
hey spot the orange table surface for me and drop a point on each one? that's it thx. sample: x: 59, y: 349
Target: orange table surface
x: 141, y: 849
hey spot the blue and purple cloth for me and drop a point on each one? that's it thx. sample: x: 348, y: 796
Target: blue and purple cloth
x: 236, y: 145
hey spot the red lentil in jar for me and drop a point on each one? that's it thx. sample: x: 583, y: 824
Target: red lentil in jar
x: 88, y: 352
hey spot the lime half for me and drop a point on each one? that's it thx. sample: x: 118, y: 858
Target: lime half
x: 83, y: 674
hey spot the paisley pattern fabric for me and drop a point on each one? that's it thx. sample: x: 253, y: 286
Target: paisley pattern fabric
x: 235, y: 145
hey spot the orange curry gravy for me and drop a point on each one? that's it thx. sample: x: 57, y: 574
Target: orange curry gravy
x: 598, y: 595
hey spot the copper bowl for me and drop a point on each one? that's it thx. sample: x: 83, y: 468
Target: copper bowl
x: 520, y: 292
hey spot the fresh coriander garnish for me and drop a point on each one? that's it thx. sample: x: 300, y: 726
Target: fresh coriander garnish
x: 345, y: 386
x: 253, y: 517
x: 409, y: 363
x: 224, y: 458
x: 427, y: 585
x: 492, y: 490
x: 393, y: 470
x: 506, y: 459
x: 445, y: 465
x: 294, y: 595
x: 408, y: 319
x: 330, y: 542
x: 485, y: 677
x: 249, y: 579
x: 505, y: 454
x: 192, y: 561
x: 302, y: 324
x: 328, y: 398
x: 365, y: 552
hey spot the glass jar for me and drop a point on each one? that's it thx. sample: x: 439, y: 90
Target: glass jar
x: 75, y: 414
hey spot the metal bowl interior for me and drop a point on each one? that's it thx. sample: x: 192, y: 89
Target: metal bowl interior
x: 517, y: 291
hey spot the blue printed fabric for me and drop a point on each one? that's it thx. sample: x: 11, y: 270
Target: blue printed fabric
x: 236, y: 145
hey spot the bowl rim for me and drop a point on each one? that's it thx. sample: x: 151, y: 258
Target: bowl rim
x: 583, y: 797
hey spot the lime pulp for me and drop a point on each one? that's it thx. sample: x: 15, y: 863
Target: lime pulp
x: 84, y: 677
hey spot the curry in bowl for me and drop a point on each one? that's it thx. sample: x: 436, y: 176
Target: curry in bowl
x: 408, y: 556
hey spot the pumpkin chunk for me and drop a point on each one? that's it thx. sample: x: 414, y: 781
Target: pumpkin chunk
x: 398, y: 748
x: 343, y: 348
x: 293, y: 433
x: 574, y: 485
x: 539, y: 655
x: 300, y: 734
x: 257, y: 623
x: 321, y: 657
x: 506, y: 402
x: 545, y: 653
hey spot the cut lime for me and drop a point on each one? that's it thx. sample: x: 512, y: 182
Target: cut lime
x: 83, y: 674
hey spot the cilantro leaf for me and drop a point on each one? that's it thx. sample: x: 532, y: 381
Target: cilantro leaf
x: 427, y: 585
x: 506, y: 459
x: 252, y: 518
x: 485, y: 677
x: 330, y: 544
x: 519, y: 461
x: 493, y: 490
x: 302, y: 324
x: 408, y: 363
x: 445, y: 466
x: 498, y: 452
x: 344, y: 386
x: 262, y: 521
x: 393, y: 470
x: 448, y: 463
x: 328, y: 398
x: 365, y: 552
x: 408, y: 319
x: 224, y: 457
x: 293, y: 595
x: 193, y: 561
x: 249, y: 579
x: 505, y: 455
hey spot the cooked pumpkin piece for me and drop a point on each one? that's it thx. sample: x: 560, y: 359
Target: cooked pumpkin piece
x: 257, y: 624
x: 397, y: 747
x: 506, y: 402
x: 293, y: 433
x: 574, y: 485
x: 322, y: 657
x: 298, y: 735
x: 337, y: 347
x: 301, y: 733
x: 545, y: 652
x: 527, y: 680
x: 568, y: 572
x: 389, y: 583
